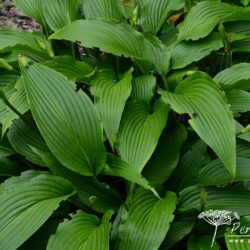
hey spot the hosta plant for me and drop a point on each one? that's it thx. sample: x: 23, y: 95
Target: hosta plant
x: 122, y: 121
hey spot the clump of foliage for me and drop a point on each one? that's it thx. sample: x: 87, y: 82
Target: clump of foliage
x: 122, y: 121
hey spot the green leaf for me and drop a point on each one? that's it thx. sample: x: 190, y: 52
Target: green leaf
x: 228, y: 199
x: 23, y: 135
x: 181, y: 226
x: 12, y: 182
x: 19, y: 101
x: 5, y: 148
x: 235, y: 243
x: 27, y: 205
x: 241, y: 46
x: 238, y: 27
x: 31, y: 8
x: 196, y: 242
x: 187, y: 172
x: 67, y: 120
x: 59, y: 13
x: 214, y: 172
x: 110, y: 99
x: 141, y: 128
x: 238, y: 129
x: 11, y: 38
x: 166, y: 155
x: 42, y: 235
x: 7, y: 77
x: 190, y: 198
x: 184, y: 53
x: 118, y: 167
x: 109, y: 9
x: 143, y: 88
x: 8, y: 91
x: 146, y: 223
x: 24, y: 42
x: 243, y: 149
x: 100, y: 197
x: 215, y: 199
x: 160, y: 54
x: 8, y: 167
x: 153, y: 13
x: 200, y: 97
x: 202, y: 18
x: 83, y: 231
x: 239, y: 100
x: 236, y: 77
x: 118, y: 39
x: 72, y: 69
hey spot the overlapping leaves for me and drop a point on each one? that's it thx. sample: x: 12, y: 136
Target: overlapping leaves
x: 211, y: 118
x: 67, y: 120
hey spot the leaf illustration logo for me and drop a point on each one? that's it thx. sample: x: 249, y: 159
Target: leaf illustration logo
x: 218, y: 218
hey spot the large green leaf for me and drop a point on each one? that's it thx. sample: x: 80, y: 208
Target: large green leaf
x: 166, y: 155
x: 110, y: 99
x: 160, y: 55
x: 32, y: 8
x: 83, y: 231
x: 202, y: 19
x: 239, y: 27
x: 200, y: 97
x: 42, y: 235
x: 214, y: 172
x: 147, y: 222
x: 8, y: 91
x: 11, y: 38
x: 118, y: 39
x: 100, y: 197
x: 67, y: 120
x: 140, y: 130
x: 23, y: 135
x: 239, y: 100
x: 243, y: 149
x: 237, y: 76
x: 59, y: 13
x: 187, y: 172
x: 153, y: 13
x: 110, y: 9
x: 27, y: 205
x: 215, y: 199
x: 228, y: 199
x: 25, y: 176
x: 118, y: 167
x: 7, y: 77
x: 17, y: 100
x: 241, y: 46
x: 72, y: 69
x: 186, y: 52
x: 181, y: 226
x: 25, y: 43
x: 143, y: 88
